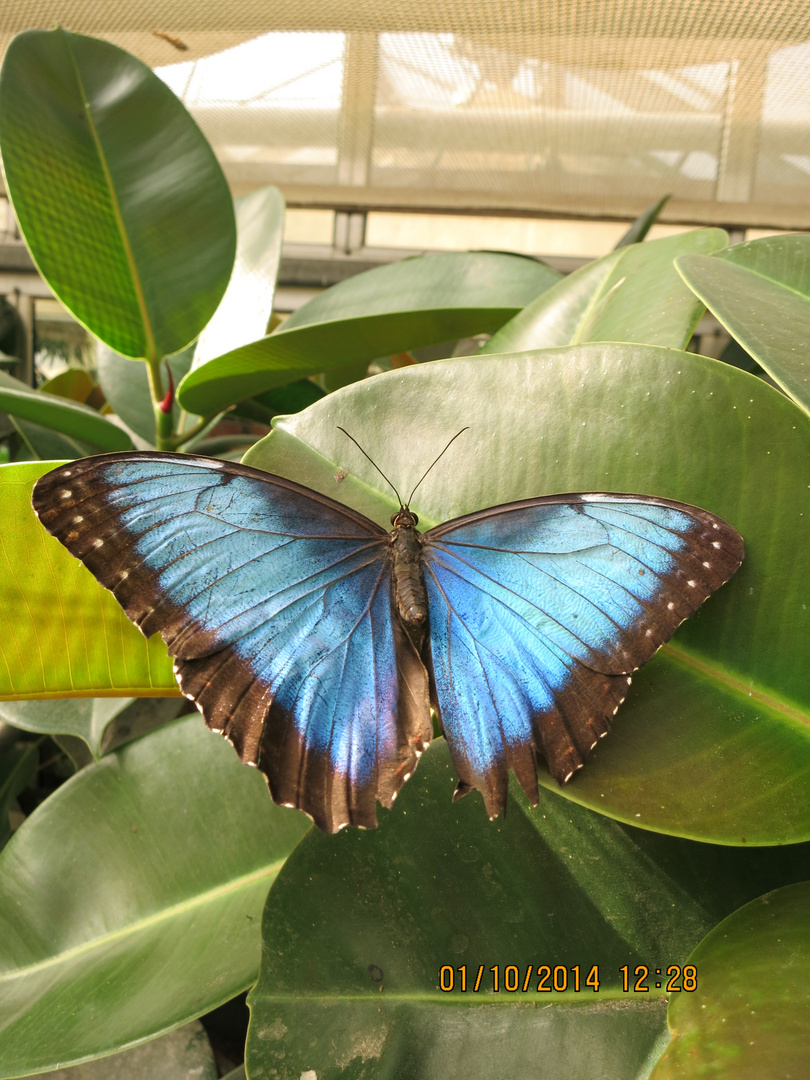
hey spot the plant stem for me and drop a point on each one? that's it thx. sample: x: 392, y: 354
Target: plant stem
x: 163, y: 419
x: 184, y: 436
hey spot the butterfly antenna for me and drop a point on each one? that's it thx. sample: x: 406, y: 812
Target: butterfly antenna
x: 374, y: 463
x: 441, y: 455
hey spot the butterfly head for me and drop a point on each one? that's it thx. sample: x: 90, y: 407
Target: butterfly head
x: 404, y: 519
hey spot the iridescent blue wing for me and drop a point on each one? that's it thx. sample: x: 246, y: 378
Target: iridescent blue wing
x: 539, y: 612
x: 275, y: 602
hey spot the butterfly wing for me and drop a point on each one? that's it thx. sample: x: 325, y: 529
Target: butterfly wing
x: 275, y: 602
x: 539, y: 612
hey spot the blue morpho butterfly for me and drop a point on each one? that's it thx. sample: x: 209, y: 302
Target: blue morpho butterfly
x: 315, y: 641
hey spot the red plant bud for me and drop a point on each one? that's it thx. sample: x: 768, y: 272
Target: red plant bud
x: 167, y: 404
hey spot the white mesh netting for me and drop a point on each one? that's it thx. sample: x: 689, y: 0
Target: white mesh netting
x: 592, y: 108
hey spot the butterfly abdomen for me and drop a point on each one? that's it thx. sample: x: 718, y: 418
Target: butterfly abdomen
x: 409, y: 584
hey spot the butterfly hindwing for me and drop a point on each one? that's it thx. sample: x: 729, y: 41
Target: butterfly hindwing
x: 539, y: 612
x: 276, y: 604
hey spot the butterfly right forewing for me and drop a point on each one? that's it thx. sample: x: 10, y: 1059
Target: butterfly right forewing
x: 541, y: 610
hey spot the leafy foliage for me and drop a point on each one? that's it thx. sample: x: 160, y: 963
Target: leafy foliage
x: 130, y: 896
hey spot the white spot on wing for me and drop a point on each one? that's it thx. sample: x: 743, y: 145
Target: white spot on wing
x: 65, y: 493
x: 97, y: 543
x: 670, y: 606
x: 707, y: 565
x: 78, y: 519
x: 691, y: 584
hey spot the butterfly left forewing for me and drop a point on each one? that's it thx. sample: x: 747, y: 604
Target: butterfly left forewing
x: 275, y: 603
x: 539, y: 612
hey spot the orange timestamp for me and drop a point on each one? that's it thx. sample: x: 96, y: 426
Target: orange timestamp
x: 559, y: 979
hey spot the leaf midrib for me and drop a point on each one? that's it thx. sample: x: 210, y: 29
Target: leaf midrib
x: 162, y: 916
x: 119, y: 220
x: 470, y: 1000
x: 720, y: 676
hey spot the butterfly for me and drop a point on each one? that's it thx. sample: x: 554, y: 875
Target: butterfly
x: 316, y: 641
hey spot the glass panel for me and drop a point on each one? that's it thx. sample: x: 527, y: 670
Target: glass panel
x: 308, y: 226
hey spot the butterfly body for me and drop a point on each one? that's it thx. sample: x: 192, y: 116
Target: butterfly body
x: 316, y: 641
x: 410, y: 595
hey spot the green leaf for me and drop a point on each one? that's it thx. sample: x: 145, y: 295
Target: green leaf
x: 632, y: 294
x: 102, y: 724
x: 37, y: 443
x: 119, y: 197
x: 246, y: 307
x: 130, y: 899
x: 713, y: 741
x: 61, y: 414
x: 418, y: 301
x: 18, y: 767
x: 183, y: 1053
x: 60, y: 633
x: 643, y: 223
x: 73, y: 383
x: 747, y: 1019
x: 358, y: 927
x: 760, y: 292
x: 284, y: 399
x: 126, y: 387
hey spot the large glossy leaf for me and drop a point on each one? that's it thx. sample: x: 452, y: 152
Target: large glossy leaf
x: 284, y: 399
x: 419, y: 301
x: 60, y: 633
x: 246, y: 307
x: 130, y: 899
x: 60, y: 414
x: 120, y: 199
x: 73, y: 383
x: 714, y: 739
x: 38, y: 443
x: 101, y: 723
x: 748, y: 1019
x: 760, y: 292
x: 632, y: 294
x: 183, y: 1053
x: 358, y: 928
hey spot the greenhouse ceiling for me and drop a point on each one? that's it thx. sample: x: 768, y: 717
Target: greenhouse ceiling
x: 587, y: 109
